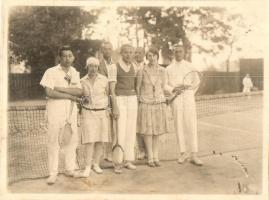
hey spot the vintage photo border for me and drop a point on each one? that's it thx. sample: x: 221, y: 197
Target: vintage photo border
x: 4, y: 193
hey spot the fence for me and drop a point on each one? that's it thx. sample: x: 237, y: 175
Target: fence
x: 26, y: 86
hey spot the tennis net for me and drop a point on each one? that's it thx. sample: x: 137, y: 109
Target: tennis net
x: 27, y: 138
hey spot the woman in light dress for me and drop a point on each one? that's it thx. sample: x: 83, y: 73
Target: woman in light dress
x: 152, y: 112
x: 96, y: 120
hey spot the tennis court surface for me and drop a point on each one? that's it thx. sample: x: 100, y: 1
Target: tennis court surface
x: 230, y: 143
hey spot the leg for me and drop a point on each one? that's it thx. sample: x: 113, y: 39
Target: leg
x: 98, y: 152
x: 177, y: 109
x: 89, y: 156
x: 148, y: 144
x: 53, y: 152
x: 140, y: 147
x: 131, y: 130
x: 108, y: 146
x: 155, y: 148
x: 121, y: 124
x: 70, y: 150
x: 190, y: 123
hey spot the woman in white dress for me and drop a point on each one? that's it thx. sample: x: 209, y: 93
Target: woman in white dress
x: 96, y: 120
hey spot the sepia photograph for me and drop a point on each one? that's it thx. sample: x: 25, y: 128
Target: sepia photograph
x: 134, y: 98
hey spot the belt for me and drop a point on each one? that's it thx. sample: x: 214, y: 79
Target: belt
x: 153, y: 103
x: 95, y: 109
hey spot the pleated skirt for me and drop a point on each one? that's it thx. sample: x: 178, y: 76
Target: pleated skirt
x: 154, y: 119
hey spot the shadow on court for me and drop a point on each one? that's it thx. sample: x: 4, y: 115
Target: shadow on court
x: 230, y: 147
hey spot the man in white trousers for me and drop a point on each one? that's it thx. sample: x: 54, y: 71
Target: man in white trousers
x: 183, y: 107
x: 105, y: 64
x: 62, y: 86
x: 124, y: 105
x: 247, y: 83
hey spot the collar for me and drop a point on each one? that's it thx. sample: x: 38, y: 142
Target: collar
x: 124, y: 65
x: 139, y: 64
x: 87, y: 77
x: 110, y: 62
x: 179, y: 62
x: 60, y: 68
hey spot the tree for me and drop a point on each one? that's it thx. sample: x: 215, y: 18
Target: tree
x: 82, y: 50
x: 37, y: 32
x: 162, y: 26
x: 214, y: 30
x: 211, y: 30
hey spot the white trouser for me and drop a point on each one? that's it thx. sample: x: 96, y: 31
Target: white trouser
x: 246, y: 90
x: 127, y: 125
x: 57, y: 113
x: 185, y: 118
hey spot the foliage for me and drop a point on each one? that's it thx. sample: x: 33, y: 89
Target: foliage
x: 82, y: 50
x: 210, y: 29
x: 163, y: 26
x: 37, y: 32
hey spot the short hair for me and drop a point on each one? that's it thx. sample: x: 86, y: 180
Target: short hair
x: 125, y: 46
x: 92, y: 60
x: 140, y: 48
x: 105, y: 43
x: 178, y: 45
x: 154, y: 51
x: 64, y: 48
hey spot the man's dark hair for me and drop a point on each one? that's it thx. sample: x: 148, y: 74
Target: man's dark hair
x: 64, y: 48
x: 154, y: 51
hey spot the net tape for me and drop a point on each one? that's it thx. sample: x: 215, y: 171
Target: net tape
x: 27, y: 138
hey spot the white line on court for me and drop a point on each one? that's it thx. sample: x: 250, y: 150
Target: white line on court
x: 223, y: 127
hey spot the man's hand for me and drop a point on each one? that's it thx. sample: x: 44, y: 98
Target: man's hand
x: 115, y: 112
x: 74, y: 98
x: 178, y: 89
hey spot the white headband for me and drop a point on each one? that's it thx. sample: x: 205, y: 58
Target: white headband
x: 92, y: 61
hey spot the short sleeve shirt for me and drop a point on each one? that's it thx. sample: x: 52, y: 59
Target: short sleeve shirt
x: 57, y: 77
x: 176, y: 72
x: 97, y: 92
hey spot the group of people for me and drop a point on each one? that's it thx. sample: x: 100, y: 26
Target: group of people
x: 135, y: 88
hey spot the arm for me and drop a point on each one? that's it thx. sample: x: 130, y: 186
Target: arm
x: 59, y: 95
x: 72, y: 91
x: 139, y: 82
x: 114, y: 105
x: 167, y: 87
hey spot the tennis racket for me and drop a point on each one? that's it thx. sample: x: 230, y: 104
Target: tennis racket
x: 86, y: 102
x: 191, y: 81
x: 117, y: 150
x: 66, y: 132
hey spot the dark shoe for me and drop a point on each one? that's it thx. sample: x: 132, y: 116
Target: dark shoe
x: 157, y: 163
x: 151, y: 164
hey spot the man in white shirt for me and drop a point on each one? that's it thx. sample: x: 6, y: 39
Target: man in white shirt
x: 107, y: 61
x: 105, y: 64
x: 139, y: 58
x: 183, y: 107
x: 247, y: 83
x: 62, y: 86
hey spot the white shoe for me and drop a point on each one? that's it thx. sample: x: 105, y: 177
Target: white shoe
x: 196, y: 161
x: 69, y: 173
x: 182, y: 158
x: 97, y: 169
x: 130, y: 166
x: 82, y: 174
x: 52, y: 179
